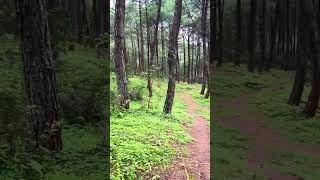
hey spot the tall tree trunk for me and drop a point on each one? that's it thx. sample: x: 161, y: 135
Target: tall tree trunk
x: 198, y: 59
x: 178, y: 65
x: 172, y: 47
x: 298, y: 86
x: 189, y: 58
x: 204, y: 44
x: 312, y: 33
x: 126, y: 58
x: 274, y: 26
x: 95, y: 19
x: 184, y: 59
x: 82, y: 20
x: 100, y: 17
x: 262, y: 60
x: 133, y: 55
x: 139, y: 52
x: 192, y: 61
x: 252, y: 35
x: 141, y: 40
x: 122, y: 80
x: 148, y: 34
x: 238, y: 36
x: 162, y: 51
x: 39, y: 74
x: 220, y: 13
x: 153, y: 49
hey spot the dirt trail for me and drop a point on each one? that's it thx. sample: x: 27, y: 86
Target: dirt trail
x: 197, y: 164
x: 263, y: 138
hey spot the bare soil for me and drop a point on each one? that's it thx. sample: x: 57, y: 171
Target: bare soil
x: 196, y: 165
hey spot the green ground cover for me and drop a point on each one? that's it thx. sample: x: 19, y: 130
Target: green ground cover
x: 142, y: 138
x: 81, y: 85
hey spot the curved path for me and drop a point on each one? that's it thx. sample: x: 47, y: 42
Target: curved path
x: 263, y: 138
x: 197, y: 164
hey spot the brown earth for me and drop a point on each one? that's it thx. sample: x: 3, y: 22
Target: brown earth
x: 263, y: 138
x: 197, y: 164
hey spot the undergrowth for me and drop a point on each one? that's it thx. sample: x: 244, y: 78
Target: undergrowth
x: 142, y: 138
x: 81, y: 81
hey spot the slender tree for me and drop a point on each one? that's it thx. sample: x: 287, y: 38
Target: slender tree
x: 252, y: 35
x: 122, y: 80
x: 299, y: 80
x: 220, y: 15
x: 189, y: 58
x: 238, y: 36
x: 153, y: 48
x: 205, y: 76
x: 141, y: 40
x: 184, y: 59
x: 262, y: 60
x: 162, y: 50
x: 172, y: 47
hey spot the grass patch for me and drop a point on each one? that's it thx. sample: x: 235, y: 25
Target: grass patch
x: 298, y: 165
x: 230, y: 149
x: 142, y: 138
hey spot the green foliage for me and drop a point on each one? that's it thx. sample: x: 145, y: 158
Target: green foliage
x: 60, y: 28
x: 7, y: 20
x: 294, y: 164
x: 71, y: 47
x: 81, y: 86
x: 81, y: 80
x: 13, y: 126
x: 137, y: 88
x: 141, y: 138
x: 140, y: 148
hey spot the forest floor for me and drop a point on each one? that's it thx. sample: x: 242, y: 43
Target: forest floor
x: 268, y: 138
x: 195, y: 165
x: 148, y: 144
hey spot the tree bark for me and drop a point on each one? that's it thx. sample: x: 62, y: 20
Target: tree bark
x: 39, y: 74
x: 220, y: 13
x: 148, y: 34
x: 162, y: 51
x: 184, y: 59
x: 204, y: 45
x: 312, y: 33
x: 141, y: 40
x: 252, y: 35
x: 189, y: 57
x: 299, y: 80
x: 172, y: 47
x: 153, y: 49
x: 262, y: 60
x: 298, y: 86
x: 122, y: 80
x: 238, y: 37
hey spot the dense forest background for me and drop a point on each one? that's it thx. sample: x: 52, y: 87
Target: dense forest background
x: 270, y: 34
x: 266, y: 90
x: 159, y: 89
